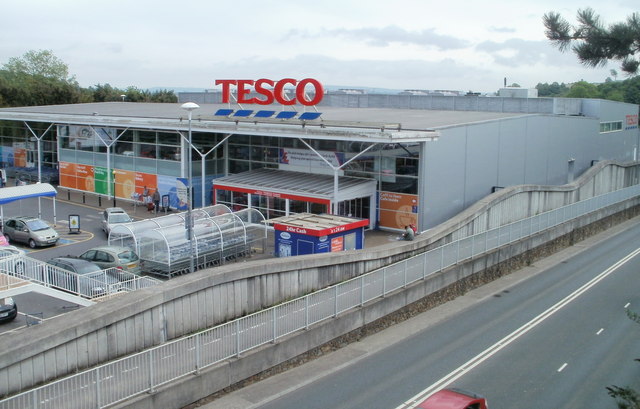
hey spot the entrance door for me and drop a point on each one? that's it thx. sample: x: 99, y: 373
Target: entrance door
x: 355, y: 208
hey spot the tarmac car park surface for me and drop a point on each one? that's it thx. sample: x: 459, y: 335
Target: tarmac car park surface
x: 34, y: 307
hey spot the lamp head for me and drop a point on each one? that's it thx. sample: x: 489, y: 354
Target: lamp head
x: 189, y: 106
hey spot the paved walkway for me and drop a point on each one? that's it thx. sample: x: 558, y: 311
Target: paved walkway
x: 373, y: 238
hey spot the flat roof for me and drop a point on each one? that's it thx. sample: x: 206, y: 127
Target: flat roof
x: 367, y: 124
x: 317, y: 221
x: 296, y: 183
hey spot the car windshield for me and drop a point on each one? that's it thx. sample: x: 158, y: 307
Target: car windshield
x: 127, y: 256
x: 119, y: 218
x: 37, y: 225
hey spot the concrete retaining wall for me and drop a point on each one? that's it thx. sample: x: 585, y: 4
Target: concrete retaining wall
x: 133, y: 322
x: 380, y: 313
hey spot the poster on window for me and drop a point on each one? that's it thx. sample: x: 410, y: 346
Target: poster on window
x: 398, y: 210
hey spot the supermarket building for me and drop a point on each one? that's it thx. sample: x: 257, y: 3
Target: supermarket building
x: 392, y: 159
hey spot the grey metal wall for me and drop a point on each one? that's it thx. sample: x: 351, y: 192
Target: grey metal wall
x: 467, y: 161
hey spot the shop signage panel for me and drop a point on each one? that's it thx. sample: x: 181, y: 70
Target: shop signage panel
x: 270, y: 91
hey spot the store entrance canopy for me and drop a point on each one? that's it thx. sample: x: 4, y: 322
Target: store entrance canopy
x: 312, y: 187
x: 13, y: 193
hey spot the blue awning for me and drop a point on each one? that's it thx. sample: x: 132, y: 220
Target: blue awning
x: 13, y: 193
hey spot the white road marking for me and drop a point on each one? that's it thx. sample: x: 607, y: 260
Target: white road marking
x: 489, y: 352
x: 562, y: 367
x: 600, y: 332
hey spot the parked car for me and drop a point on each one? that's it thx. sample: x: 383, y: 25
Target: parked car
x: 454, y: 398
x: 85, y: 278
x: 29, y: 230
x: 8, y: 309
x: 112, y: 216
x: 122, y: 258
x: 13, y: 265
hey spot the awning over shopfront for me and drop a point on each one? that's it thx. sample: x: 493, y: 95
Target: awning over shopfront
x: 13, y: 193
x: 311, y: 187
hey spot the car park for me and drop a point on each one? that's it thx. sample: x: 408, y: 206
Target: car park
x: 8, y: 309
x: 119, y: 257
x: 454, y: 398
x: 112, y: 216
x: 82, y: 277
x: 29, y: 230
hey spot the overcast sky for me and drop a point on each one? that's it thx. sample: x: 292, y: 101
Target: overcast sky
x: 400, y: 44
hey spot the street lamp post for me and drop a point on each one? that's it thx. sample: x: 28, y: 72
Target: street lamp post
x: 114, y: 187
x: 189, y: 107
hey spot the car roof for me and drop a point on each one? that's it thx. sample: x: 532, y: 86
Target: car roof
x: 109, y: 248
x: 71, y: 260
x: 450, y: 399
x: 23, y: 218
x: 114, y: 210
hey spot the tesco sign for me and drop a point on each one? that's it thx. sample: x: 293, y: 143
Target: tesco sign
x: 270, y: 91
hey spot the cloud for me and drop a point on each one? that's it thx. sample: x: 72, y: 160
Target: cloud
x: 385, y: 36
x: 398, y: 74
x: 502, y: 29
x: 517, y: 52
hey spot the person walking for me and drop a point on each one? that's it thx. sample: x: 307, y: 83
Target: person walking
x: 156, y: 200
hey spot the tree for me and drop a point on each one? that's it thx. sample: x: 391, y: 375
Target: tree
x: 40, y: 63
x: 626, y: 398
x: 583, y: 89
x: 632, y: 90
x: 595, y: 44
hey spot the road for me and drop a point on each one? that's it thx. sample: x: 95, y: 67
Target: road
x: 552, y: 335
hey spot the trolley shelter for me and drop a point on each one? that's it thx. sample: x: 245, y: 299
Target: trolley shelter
x: 308, y: 233
x: 277, y: 193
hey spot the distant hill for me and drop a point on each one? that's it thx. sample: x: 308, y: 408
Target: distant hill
x: 368, y: 90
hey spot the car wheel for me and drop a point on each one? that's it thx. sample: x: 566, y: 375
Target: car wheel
x: 6, y: 236
x: 32, y: 243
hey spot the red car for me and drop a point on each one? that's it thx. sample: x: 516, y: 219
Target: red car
x: 454, y: 399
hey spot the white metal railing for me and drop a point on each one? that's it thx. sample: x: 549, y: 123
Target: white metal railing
x: 96, y: 285
x: 143, y: 372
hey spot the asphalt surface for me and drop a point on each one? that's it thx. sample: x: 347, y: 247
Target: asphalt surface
x: 33, y: 308
x: 566, y: 361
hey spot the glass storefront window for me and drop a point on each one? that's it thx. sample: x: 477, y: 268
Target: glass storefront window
x: 169, y: 153
x: 147, y: 151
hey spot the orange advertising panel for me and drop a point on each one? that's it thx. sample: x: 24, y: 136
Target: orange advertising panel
x: 398, y: 210
x: 68, y: 175
x: 125, y: 183
x: 145, y: 179
x: 85, y: 179
x: 337, y: 243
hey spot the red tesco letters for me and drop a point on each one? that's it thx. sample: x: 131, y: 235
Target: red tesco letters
x: 267, y: 96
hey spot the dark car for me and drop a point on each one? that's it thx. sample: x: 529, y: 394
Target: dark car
x: 8, y: 309
x: 82, y: 277
x: 29, y: 230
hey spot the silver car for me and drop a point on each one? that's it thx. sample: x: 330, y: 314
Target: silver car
x: 112, y: 216
x: 30, y: 230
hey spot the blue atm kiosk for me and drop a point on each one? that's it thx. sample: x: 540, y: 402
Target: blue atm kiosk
x: 306, y: 233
